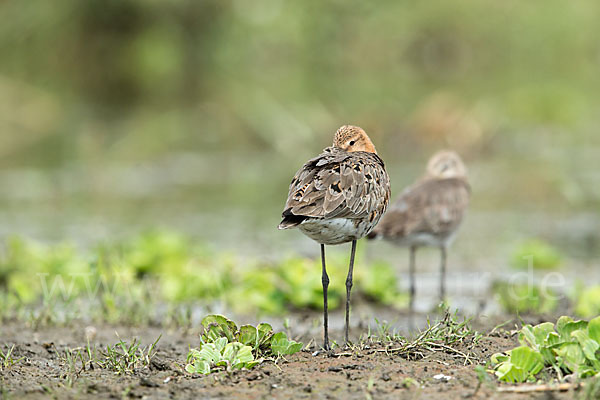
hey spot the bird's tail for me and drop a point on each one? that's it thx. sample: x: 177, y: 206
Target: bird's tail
x: 290, y: 220
x: 374, y: 235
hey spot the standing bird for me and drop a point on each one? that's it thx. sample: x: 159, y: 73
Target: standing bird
x: 338, y: 197
x: 429, y: 212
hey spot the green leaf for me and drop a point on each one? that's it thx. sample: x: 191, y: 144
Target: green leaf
x: 553, y: 339
x: 248, y: 335
x: 527, y: 359
x: 508, y: 372
x: 571, y: 355
x: 220, y: 344
x: 238, y: 354
x: 280, y: 345
x: 565, y: 326
x: 216, y: 326
x: 265, y: 332
x: 498, y: 358
x: 594, y: 329
x: 209, y: 353
x: 588, y: 345
x: 202, y: 367
x: 521, y: 364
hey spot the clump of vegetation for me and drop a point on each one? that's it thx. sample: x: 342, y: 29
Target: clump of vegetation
x: 449, y: 334
x: 524, y: 298
x: 124, y: 358
x: 569, y: 347
x: 537, y: 254
x: 7, y: 360
x: 224, y: 346
x: 124, y: 282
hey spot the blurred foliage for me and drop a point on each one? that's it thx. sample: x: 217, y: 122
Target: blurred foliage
x: 163, y: 268
x: 130, y: 79
x: 587, y: 301
x: 537, y: 254
x: 518, y: 298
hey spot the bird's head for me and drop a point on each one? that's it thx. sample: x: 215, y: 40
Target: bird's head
x: 353, y: 138
x: 446, y: 164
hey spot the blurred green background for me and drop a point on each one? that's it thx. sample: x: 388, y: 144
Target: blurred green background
x: 121, y: 115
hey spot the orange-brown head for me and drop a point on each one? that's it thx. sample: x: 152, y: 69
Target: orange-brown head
x: 446, y: 164
x: 353, y: 138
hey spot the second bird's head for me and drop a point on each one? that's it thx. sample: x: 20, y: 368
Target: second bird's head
x: 353, y: 138
x: 446, y: 164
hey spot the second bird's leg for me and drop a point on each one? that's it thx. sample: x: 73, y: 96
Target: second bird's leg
x: 348, y: 289
x: 411, y: 271
x: 325, y: 282
x: 443, y: 274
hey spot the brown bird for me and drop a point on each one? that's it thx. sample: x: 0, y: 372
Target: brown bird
x: 338, y: 197
x: 429, y: 212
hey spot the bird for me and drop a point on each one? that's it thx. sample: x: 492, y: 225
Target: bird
x: 429, y: 213
x: 338, y: 197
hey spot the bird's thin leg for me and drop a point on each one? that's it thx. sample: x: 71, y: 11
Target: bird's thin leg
x: 411, y: 293
x: 348, y: 289
x: 325, y: 282
x: 443, y: 273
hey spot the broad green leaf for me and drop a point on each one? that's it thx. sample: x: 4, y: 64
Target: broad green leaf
x: 594, y: 329
x: 209, y: 353
x: 586, y: 371
x: 588, y: 345
x: 237, y: 353
x: 529, y: 360
x: 565, y: 326
x: 248, y: 335
x: 553, y: 339
x: 541, y: 332
x: 508, y: 372
x: 498, y: 358
x: 265, y: 332
x: 572, y: 355
x: 199, y: 367
x: 526, y: 337
x: 280, y: 345
x: 216, y: 326
x: 294, y: 347
x: 220, y: 344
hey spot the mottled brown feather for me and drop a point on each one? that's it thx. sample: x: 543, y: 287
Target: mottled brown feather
x: 434, y: 206
x: 338, y: 184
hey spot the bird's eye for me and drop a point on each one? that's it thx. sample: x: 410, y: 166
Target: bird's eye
x: 351, y: 143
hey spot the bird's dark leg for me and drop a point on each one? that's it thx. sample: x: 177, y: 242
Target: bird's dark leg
x: 443, y: 274
x: 411, y: 293
x: 348, y: 289
x: 325, y: 282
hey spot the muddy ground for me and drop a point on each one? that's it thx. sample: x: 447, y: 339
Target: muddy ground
x: 368, y: 372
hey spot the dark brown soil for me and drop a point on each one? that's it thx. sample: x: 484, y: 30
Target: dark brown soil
x: 370, y: 372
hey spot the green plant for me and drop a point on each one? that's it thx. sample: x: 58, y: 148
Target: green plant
x: 538, y: 254
x: 71, y: 358
x: 6, y: 358
x: 523, y: 298
x: 446, y: 335
x: 225, y: 346
x: 124, y: 358
x: 567, y: 347
x: 233, y: 355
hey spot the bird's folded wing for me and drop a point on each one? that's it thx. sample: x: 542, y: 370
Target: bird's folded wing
x: 337, y: 184
x: 433, y: 206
